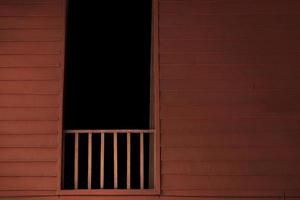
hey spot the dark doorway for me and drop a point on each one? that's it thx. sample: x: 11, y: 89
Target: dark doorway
x: 107, y: 85
x: 107, y: 75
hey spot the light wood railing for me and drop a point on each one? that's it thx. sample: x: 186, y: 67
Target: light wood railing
x: 115, y: 155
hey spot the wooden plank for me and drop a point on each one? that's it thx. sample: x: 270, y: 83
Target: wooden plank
x: 262, y: 20
x: 29, y: 60
x: 29, y: 127
x: 197, y: 112
x: 21, y: 193
x: 30, y: 87
x: 231, y: 154
x: 102, y: 161
x: 208, y: 84
x: 29, y: 114
x: 142, y: 161
x: 118, y: 196
x: 76, y: 161
x: 226, y: 58
x: 27, y: 154
x: 90, y: 143
x: 60, y: 179
x: 29, y: 100
x: 128, y: 161
x: 276, y: 125
x: 235, y: 8
x: 232, y: 193
x: 151, y: 160
x: 220, y: 111
x: 206, y: 98
x: 30, y: 23
x: 192, y: 197
x: 19, y: 10
x: 18, y: 140
x: 223, y: 80
x: 40, y: 48
x: 30, y: 169
x: 184, y: 182
x: 240, y: 36
x: 24, y: 35
x: 155, y: 180
x: 238, y: 71
x: 29, y: 2
x: 232, y: 168
x: 21, y: 183
x: 119, y: 131
x: 115, y: 160
x: 235, y: 139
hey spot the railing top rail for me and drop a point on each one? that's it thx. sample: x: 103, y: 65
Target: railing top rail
x: 81, y: 131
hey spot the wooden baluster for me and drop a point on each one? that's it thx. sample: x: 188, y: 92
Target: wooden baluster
x: 142, y: 160
x: 115, y: 160
x: 128, y: 160
x: 102, y: 161
x: 90, y: 143
x: 76, y: 161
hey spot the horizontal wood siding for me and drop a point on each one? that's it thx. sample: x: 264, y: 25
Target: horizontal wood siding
x: 229, y: 86
x: 31, y: 66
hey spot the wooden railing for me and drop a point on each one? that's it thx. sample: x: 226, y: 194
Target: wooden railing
x: 115, y: 155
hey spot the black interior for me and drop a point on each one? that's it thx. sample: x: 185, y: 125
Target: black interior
x: 107, y: 74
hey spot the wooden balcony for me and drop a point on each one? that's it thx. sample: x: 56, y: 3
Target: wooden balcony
x: 129, y: 148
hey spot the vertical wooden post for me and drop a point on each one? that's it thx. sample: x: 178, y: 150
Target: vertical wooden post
x: 76, y: 162
x: 151, y: 160
x: 128, y: 160
x: 115, y: 160
x: 102, y: 161
x: 90, y: 143
x: 142, y: 160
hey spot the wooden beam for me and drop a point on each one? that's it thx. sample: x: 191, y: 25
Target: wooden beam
x: 128, y: 160
x: 115, y: 160
x: 90, y: 143
x: 142, y: 160
x: 102, y: 161
x: 76, y: 161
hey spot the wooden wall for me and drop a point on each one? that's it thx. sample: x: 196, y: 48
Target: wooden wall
x: 229, y: 89
x: 229, y: 81
x: 31, y: 65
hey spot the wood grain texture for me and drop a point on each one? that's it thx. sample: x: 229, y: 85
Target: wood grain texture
x: 34, y: 140
x: 31, y: 46
x: 30, y: 74
x: 28, y: 127
x: 31, y: 35
x: 27, y: 154
x: 229, y: 86
x: 13, y: 100
x: 29, y: 87
x: 230, y: 182
x: 27, y: 183
x: 191, y: 7
x: 29, y: 10
x: 30, y: 22
x: 28, y: 114
x: 29, y: 60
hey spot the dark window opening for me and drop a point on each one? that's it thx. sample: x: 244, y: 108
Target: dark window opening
x: 107, y: 73
x: 107, y: 87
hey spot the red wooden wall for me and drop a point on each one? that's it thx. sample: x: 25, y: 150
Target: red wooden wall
x: 229, y: 93
x: 229, y: 72
x: 31, y: 65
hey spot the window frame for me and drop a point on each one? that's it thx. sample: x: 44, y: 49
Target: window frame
x: 154, y: 112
